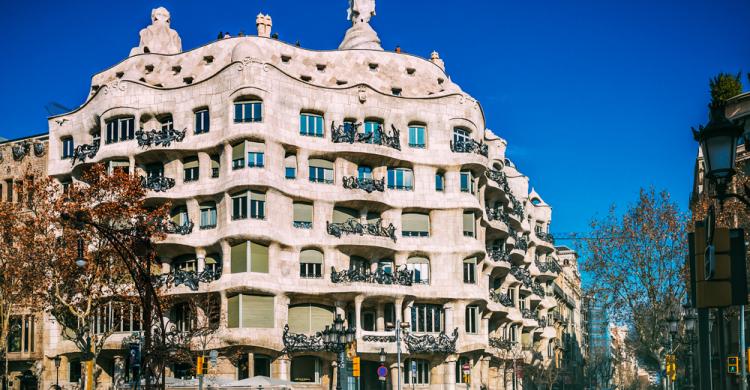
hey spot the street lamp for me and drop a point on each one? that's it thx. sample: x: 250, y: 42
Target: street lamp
x: 673, y: 322
x: 336, y: 339
x: 80, y: 260
x: 57, y: 372
x: 689, y: 320
x: 718, y: 142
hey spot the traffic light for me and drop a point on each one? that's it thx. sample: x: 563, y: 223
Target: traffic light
x: 199, y: 366
x: 670, y: 366
x: 733, y: 364
x: 355, y: 367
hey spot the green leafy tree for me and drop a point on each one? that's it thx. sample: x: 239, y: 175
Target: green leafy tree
x: 725, y: 86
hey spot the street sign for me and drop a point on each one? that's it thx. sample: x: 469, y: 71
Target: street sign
x: 355, y: 367
x: 214, y: 356
x: 382, y: 372
x: 466, y: 368
x: 413, y: 369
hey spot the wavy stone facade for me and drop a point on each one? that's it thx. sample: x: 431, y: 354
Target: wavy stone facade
x: 298, y: 215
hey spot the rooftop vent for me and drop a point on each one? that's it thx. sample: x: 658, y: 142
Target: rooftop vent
x: 396, y: 91
x: 176, y: 69
x: 187, y: 80
x: 285, y: 59
x: 373, y: 66
x: 305, y: 77
x: 410, y: 71
x: 341, y: 82
x: 149, y: 68
x: 321, y: 67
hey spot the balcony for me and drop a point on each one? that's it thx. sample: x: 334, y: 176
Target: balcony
x: 501, y: 298
x: 157, y: 183
x: 496, y: 214
x: 173, y: 228
x: 522, y: 243
x: 354, y: 226
x: 469, y: 146
x: 302, y: 224
x: 367, y: 185
x: 548, y: 266
x: 85, y: 151
x: 401, y: 277
x: 295, y: 342
x: 498, y: 255
x: 516, y: 207
x: 163, y: 137
x: 546, y: 237
x: 432, y: 344
x: 522, y: 275
x: 190, y: 279
x: 502, y: 343
x: 349, y: 133
x: 499, y: 178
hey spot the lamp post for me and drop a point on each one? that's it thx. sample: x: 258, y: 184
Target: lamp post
x: 57, y: 372
x: 381, y: 355
x: 336, y: 339
x: 689, y: 319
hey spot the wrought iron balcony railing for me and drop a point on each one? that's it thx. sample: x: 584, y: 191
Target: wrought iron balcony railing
x: 428, y: 343
x: 522, y: 275
x: 374, y: 338
x: 544, y: 236
x: 157, y: 183
x: 302, y: 224
x: 499, y: 178
x: 522, y: 243
x: 296, y: 342
x: 403, y: 277
x: 528, y: 314
x: 191, y: 279
x: 537, y: 289
x: 542, y: 322
x: 469, y: 146
x: 367, y: 185
x: 516, y: 206
x: 502, y: 343
x: 501, y: 298
x: 349, y: 133
x: 354, y: 226
x: 496, y: 214
x: 549, y: 265
x: 163, y: 137
x: 498, y: 254
x: 85, y: 151
x: 173, y: 228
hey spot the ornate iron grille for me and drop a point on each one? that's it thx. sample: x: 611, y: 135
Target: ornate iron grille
x: 349, y: 133
x: 354, y: 226
x: 401, y: 277
x: 469, y: 146
x: 173, y: 228
x: 501, y: 343
x: 501, y: 298
x: 157, y: 183
x: 367, y: 185
x: 163, y: 137
x: 428, y: 343
x: 85, y: 151
x: 498, y: 255
x: 295, y: 342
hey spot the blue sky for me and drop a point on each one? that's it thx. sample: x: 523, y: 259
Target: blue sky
x: 596, y: 98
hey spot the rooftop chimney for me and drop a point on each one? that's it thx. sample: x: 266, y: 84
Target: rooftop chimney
x: 263, y: 22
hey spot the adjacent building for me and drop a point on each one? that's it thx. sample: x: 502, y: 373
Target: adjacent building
x: 307, y: 185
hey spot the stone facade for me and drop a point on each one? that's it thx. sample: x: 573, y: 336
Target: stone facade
x: 413, y: 215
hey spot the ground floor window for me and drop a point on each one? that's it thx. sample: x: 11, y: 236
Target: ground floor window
x: 306, y: 369
x: 243, y: 367
x: 460, y: 376
x: 74, y: 370
x: 262, y: 365
x: 182, y: 370
x: 422, y: 370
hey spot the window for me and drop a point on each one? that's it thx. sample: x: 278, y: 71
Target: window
x: 67, y: 147
x: 439, y: 182
x: 208, y: 215
x: 14, y: 334
x: 373, y: 127
x: 249, y: 256
x: 310, y: 263
x: 416, y: 137
x: 306, y: 369
x: 183, y: 317
x: 321, y: 171
x: 239, y: 206
x: 212, y: 263
x: 472, y: 319
x: 368, y: 320
x: 364, y: 172
x: 359, y: 265
x: 539, y: 227
x: 154, y: 170
x: 385, y: 266
x: 309, y: 318
x: 191, y: 166
x: 261, y: 365
x: 248, y: 111
x: 415, y: 225
x: 303, y: 215
x: 344, y: 214
x: 290, y: 166
x: 461, y: 136
x: 311, y: 125
x: 550, y: 349
x: 115, y: 165
x: 470, y: 270
x: 250, y: 311
x: 467, y: 182
x: 400, y: 179
x: 420, y: 268
x: 120, y: 129
x: 255, y: 154
x: 215, y: 166
x: 238, y: 155
x: 469, y: 225
x: 426, y: 318
x: 74, y: 370
x: 460, y: 376
x: 201, y: 121
x: 180, y: 216
x: 257, y: 205
x: 422, y: 368
x: 166, y: 122
x: 117, y: 317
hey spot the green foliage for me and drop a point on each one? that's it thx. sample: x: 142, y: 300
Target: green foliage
x: 725, y: 86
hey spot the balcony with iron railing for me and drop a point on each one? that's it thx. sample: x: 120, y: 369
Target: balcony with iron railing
x: 365, y: 184
x: 400, y: 277
x: 157, y: 183
x: 354, y: 226
x: 349, y: 133
x: 501, y: 298
x: 469, y: 146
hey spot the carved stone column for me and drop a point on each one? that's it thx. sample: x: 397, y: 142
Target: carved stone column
x: 284, y: 373
x: 448, y: 312
x: 380, y: 313
x: 450, y: 372
x: 394, y: 376
x: 358, y: 314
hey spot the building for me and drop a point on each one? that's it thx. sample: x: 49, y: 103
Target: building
x: 355, y: 182
x: 599, y: 356
x: 569, y: 320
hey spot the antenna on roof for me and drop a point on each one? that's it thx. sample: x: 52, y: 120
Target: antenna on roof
x: 55, y: 108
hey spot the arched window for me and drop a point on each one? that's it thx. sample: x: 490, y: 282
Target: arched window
x: 374, y: 127
x: 250, y: 311
x: 303, y: 215
x: 202, y: 121
x: 415, y: 225
x: 249, y: 257
x: 310, y: 263
x: 461, y: 136
x: 290, y: 166
x: 120, y: 129
x: 469, y: 224
x: 248, y: 110
x: 321, y: 171
x: 417, y: 135
x: 364, y: 172
x: 420, y: 268
x: 306, y: 369
x: 470, y: 270
x: 67, y: 147
x: 467, y: 182
x: 309, y: 318
x: 422, y: 376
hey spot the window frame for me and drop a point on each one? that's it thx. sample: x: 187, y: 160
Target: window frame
x: 68, y: 147
x: 471, y: 319
x: 253, y: 104
x: 415, y: 131
x: 202, y: 121
x: 318, y: 122
x: 396, y: 174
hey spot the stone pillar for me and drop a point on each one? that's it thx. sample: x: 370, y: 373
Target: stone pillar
x: 358, y: 314
x: 394, y: 376
x: 484, y: 371
x: 284, y: 369
x: 448, y: 309
x: 224, y: 308
x: 450, y: 372
x: 226, y: 164
x: 380, y: 323
x: 250, y: 364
